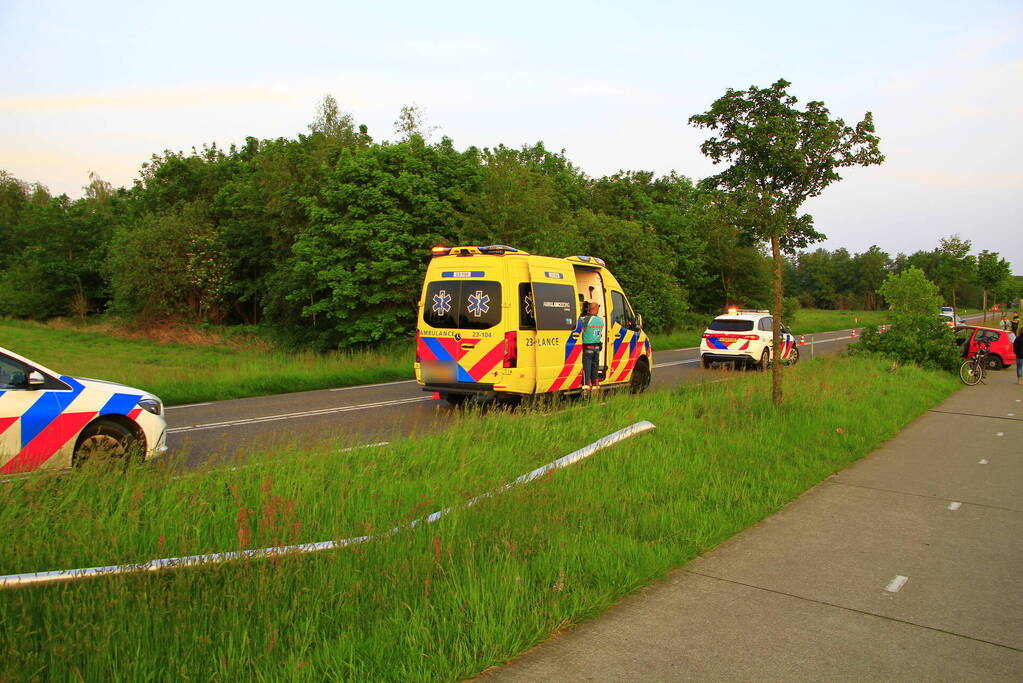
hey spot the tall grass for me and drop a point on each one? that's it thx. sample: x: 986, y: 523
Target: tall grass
x: 181, y: 373
x: 434, y: 602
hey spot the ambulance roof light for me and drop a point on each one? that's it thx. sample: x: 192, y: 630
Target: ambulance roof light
x: 440, y: 250
x: 497, y: 249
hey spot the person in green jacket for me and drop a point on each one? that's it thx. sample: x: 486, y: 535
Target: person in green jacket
x: 593, y: 342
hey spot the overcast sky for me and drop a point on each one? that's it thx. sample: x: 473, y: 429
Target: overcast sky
x: 100, y: 86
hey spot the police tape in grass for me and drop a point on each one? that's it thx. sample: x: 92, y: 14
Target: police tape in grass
x: 167, y: 563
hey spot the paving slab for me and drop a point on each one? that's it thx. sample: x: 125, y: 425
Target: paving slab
x: 813, y: 592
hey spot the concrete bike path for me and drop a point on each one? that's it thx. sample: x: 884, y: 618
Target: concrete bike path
x: 908, y: 565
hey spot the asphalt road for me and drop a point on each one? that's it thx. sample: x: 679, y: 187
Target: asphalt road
x: 370, y: 414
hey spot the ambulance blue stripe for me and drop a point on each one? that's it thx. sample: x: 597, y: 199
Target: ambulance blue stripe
x: 438, y: 350
x: 120, y: 404
x: 45, y: 410
x: 464, y: 376
x: 618, y: 341
x: 632, y: 343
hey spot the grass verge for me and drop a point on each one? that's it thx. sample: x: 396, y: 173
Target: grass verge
x: 437, y: 602
x: 184, y: 373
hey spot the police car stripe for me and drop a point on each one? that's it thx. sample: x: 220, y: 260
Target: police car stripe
x: 6, y: 422
x: 45, y: 410
x: 120, y: 404
x: 58, y: 432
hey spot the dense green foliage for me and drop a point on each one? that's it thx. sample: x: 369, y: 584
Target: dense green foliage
x: 438, y: 601
x: 321, y: 240
x: 917, y: 334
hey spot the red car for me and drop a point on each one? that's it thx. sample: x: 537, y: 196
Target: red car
x: 970, y: 338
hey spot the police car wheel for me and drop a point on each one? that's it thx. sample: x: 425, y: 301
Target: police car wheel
x: 793, y: 356
x: 105, y: 441
x: 707, y: 363
x: 765, y: 360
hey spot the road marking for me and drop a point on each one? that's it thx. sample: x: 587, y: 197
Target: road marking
x: 954, y: 506
x: 291, y: 416
x: 188, y: 405
x: 1000, y: 434
x: 896, y: 584
x: 676, y: 362
x: 982, y: 462
x: 1011, y: 414
x: 381, y: 384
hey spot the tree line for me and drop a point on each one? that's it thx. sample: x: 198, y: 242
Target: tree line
x: 322, y: 240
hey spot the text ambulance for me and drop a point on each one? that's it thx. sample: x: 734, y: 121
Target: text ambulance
x: 499, y: 322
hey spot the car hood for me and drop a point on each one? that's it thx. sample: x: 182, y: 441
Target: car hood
x: 113, y: 387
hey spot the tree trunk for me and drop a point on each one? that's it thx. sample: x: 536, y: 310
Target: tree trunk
x: 776, y: 327
x: 985, y: 307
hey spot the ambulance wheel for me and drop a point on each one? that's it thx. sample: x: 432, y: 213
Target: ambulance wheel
x: 105, y: 441
x: 765, y: 360
x: 793, y: 356
x: 455, y: 399
x: 640, y: 377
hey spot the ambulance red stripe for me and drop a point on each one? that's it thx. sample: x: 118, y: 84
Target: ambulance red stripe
x: 567, y: 368
x: 487, y: 363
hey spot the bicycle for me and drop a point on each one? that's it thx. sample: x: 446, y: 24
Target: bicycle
x: 974, y: 370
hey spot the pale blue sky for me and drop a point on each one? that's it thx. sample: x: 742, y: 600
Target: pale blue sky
x: 101, y: 86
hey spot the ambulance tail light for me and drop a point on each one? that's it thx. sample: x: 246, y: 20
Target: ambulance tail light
x: 419, y: 358
x: 440, y: 250
x: 511, y: 349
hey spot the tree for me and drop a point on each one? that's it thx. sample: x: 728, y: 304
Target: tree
x: 412, y: 121
x: 917, y: 335
x: 331, y: 122
x: 991, y: 273
x: 957, y: 265
x: 780, y: 156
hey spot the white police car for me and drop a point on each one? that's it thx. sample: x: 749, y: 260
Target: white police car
x: 49, y: 420
x: 744, y: 337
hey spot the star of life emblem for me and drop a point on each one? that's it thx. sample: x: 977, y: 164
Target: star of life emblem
x: 441, y: 302
x: 528, y: 301
x: 479, y: 303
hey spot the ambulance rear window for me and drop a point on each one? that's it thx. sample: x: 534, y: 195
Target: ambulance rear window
x: 462, y: 304
x: 555, y: 306
x: 731, y: 325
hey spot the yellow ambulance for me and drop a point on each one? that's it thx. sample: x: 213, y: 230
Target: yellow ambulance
x: 495, y: 321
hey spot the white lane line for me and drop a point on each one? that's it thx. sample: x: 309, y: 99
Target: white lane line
x: 291, y: 416
x: 676, y: 362
x: 382, y: 384
x: 982, y: 462
x: 1000, y: 434
x: 955, y: 505
x: 896, y: 584
x: 1011, y: 414
x: 188, y: 405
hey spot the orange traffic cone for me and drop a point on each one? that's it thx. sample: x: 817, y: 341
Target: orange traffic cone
x: 802, y: 340
x: 854, y: 333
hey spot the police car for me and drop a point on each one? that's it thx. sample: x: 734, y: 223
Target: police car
x: 744, y: 337
x: 49, y: 420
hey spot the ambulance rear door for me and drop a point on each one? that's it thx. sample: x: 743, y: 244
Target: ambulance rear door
x: 556, y: 347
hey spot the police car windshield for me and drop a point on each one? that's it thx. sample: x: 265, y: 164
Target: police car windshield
x: 731, y: 325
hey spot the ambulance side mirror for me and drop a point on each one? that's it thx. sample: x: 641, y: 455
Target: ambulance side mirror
x: 639, y: 321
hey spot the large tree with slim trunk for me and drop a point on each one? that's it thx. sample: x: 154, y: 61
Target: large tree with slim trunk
x: 780, y: 156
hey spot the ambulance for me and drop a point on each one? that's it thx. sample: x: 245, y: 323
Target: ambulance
x: 498, y: 322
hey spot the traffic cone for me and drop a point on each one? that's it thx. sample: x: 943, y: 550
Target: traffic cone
x: 802, y: 340
x: 854, y: 333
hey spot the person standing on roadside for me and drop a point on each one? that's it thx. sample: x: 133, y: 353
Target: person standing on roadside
x: 1017, y: 347
x: 593, y: 342
x: 1015, y: 322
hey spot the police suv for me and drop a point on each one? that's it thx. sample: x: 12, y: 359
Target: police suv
x: 744, y: 337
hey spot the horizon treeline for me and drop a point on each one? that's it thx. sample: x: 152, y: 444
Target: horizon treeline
x: 323, y: 240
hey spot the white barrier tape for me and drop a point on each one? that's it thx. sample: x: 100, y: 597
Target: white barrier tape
x: 59, y: 575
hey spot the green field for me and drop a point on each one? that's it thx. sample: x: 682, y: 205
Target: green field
x: 181, y: 373
x: 435, y: 602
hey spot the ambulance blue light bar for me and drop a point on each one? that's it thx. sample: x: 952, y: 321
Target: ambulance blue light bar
x: 497, y: 249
